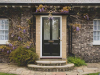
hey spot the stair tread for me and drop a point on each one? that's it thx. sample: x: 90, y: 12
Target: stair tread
x: 37, y: 66
x: 50, y: 62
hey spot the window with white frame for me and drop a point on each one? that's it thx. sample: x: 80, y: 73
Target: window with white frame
x: 4, y: 31
x: 96, y: 32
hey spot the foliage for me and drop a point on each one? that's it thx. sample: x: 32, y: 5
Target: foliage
x: 76, y: 26
x: 5, y: 50
x: 93, y: 73
x: 66, y: 9
x: 77, y: 61
x: 6, y: 74
x: 22, y: 56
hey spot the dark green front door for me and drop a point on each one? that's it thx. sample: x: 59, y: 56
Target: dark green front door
x: 51, y: 36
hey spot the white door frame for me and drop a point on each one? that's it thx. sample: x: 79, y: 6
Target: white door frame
x: 41, y: 38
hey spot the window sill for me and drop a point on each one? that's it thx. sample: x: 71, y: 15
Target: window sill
x: 96, y: 42
x: 3, y: 42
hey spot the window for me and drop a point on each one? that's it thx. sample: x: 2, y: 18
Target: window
x: 96, y: 32
x: 4, y: 31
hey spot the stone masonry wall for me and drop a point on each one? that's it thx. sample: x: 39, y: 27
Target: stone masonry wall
x: 14, y: 14
x: 82, y: 42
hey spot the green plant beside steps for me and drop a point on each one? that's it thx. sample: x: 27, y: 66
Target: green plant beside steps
x: 77, y: 61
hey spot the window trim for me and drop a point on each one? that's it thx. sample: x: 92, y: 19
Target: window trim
x: 95, y: 42
x: 5, y: 41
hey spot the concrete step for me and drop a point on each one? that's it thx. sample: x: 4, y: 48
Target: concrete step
x: 51, y: 63
x: 51, y: 68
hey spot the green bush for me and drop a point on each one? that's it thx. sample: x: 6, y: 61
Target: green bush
x: 77, y: 61
x: 22, y: 56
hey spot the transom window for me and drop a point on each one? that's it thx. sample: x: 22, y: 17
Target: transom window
x: 4, y: 31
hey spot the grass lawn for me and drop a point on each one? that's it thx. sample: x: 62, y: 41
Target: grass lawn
x: 93, y: 74
x: 6, y: 74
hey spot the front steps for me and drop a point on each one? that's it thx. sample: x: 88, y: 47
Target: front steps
x: 51, y: 63
x: 51, y: 66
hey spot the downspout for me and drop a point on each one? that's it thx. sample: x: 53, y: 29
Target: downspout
x: 69, y: 38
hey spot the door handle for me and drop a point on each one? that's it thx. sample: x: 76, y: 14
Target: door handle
x: 59, y: 37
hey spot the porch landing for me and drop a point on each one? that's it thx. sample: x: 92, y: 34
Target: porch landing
x: 51, y: 66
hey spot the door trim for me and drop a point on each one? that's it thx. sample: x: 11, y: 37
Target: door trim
x: 41, y: 38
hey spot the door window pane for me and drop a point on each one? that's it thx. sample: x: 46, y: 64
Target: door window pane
x: 46, y: 29
x: 55, y: 29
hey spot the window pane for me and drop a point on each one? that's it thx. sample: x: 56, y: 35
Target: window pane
x: 94, y: 33
x: 46, y: 29
x: 6, y: 32
x: 6, y: 26
x: 1, y: 37
x: 6, y: 22
x: 98, y: 22
x: 1, y: 32
x: 55, y: 29
x: 94, y: 37
x: 6, y: 37
x: 98, y: 33
x: 3, y: 22
x: 98, y: 27
x: 1, y: 25
x: 95, y: 27
x: 97, y: 37
x: 95, y: 22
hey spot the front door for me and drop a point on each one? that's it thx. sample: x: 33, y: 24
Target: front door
x: 51, y: 36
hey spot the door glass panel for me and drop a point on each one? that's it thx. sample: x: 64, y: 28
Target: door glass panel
x: 55, y: 29
x: 46, y: 29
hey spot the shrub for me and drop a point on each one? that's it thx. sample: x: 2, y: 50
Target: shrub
x: 77, y: 61
x: 22, y: 56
